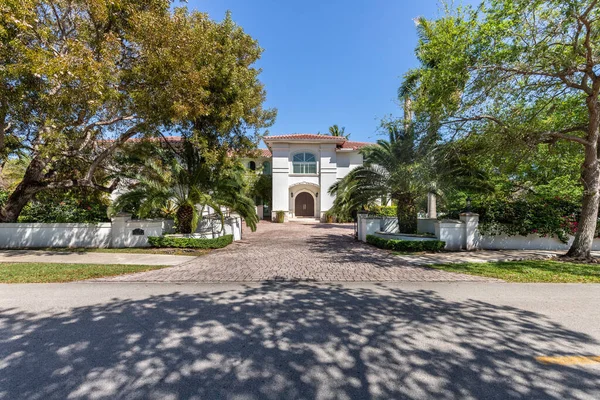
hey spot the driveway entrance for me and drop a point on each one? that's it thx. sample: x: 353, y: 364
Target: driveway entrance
x: 298, y: 252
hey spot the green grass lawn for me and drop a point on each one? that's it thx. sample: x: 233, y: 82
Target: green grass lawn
x: 47, y: 273
x: 136, y: 250
x: 529, y: 271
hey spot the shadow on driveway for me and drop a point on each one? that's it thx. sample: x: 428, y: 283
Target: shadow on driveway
x: 290, y: 341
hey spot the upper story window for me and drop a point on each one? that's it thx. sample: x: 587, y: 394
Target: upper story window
x: 304, y: 163
x: 252, y: 165
x: 266, y: 168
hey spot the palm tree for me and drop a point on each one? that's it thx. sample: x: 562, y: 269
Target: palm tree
x: 335, y: 130
x: 403, y: 169
x: 186, y: 182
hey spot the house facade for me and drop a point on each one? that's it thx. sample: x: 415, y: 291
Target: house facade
x: 303, y: 168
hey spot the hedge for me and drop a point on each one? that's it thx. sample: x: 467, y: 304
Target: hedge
x: 190, y: 243
x: 406, y: 245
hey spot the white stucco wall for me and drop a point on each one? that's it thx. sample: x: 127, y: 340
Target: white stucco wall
x: 347, y: 161
x: 332, y: 165
x: 280, y: 174
x: 37, y: 235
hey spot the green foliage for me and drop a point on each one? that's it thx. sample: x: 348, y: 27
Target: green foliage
x: 262, y: 188
x: 53, y: 272
x: 75, y: 73
x: 190, y: 243
x: 529, y: 271
x: 383, y: 211
x: 76, y: 205
x: 406, y: 245
x: 187, y: 179
x: 517, y: 73
x: 335, y: 130
x: 553, y: 217
x: 404, y: 169
x: 280, y: 217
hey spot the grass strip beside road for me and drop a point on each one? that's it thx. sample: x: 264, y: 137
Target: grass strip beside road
x: 533, y: 271
x: 132, y: 250
x: 50, y: 273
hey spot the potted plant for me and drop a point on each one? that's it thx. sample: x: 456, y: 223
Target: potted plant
x: 329, y: 217
x: 280, y: 217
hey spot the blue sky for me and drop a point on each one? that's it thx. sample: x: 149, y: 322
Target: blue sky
x: 329, y: 62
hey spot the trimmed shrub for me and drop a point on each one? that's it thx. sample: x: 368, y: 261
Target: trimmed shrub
x: 190, y: 243
x: 383, y: 211
x: 406, y: 245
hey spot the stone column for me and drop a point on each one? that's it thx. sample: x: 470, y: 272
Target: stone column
x: 431, y: 206
x: 471, y: 221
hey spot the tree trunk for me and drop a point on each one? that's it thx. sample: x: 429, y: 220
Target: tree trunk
x: 24, y: 192
x: 586, y: 229
x: 407, y: 214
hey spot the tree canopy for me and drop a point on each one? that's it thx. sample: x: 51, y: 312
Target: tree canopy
x: 81, y: 77
x: 517, y: 73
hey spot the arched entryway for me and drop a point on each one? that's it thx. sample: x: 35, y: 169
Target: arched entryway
x: 304, y: 205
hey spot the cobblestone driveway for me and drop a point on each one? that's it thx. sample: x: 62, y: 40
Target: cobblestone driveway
x: 297, y: 251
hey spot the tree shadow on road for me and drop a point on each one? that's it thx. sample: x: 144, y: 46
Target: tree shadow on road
x: 289, y: 341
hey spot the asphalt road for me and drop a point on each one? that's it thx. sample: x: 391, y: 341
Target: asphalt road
x: 299, y: 341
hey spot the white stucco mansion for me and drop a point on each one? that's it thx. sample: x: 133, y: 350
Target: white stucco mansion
x: 303, y: 168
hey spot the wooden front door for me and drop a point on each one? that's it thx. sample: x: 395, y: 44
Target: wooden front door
x: 305, y: 205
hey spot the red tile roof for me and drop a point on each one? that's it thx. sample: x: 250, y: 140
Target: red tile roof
x: 305, y: 136
x: 354, y: 145
x: 342, y: 143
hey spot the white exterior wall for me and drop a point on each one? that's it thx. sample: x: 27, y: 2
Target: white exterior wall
x: 332, y: 165
x: 347, y: 161
x: 280, y: 174
x: 328, y: 176
x: 37, y: 235
x: 117, y: 234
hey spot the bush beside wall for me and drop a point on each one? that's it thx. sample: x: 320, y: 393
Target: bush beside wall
x: 406, y: 245
x: 190, y: 243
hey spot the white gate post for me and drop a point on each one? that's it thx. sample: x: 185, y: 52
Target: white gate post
x: 471, y: 221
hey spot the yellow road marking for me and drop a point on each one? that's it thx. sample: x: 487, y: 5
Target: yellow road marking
x: 569, y: 360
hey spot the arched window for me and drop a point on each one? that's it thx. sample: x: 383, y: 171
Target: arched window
x: 304, y: 163
x: 267, y: 168
x: 252, y: 165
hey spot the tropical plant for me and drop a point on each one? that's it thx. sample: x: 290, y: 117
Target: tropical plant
x: 335, y: 130
x: 189, y: 182
x: 404, y: 169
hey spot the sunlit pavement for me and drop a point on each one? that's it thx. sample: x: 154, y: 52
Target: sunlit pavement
x: 282, y: 340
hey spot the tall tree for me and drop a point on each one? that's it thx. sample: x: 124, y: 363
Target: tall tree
x: 521, y: 72
x: 79, y: 78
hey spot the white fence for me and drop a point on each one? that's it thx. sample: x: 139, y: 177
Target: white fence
x: 24, y: 235
x: 121, y: 232
x: 464, y: 234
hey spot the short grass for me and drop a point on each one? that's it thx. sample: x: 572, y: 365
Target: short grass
x: 47, y: 273
x: 138, y: 250
x: 529, y: 271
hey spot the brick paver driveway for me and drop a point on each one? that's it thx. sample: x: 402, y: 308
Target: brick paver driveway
x: 297, y: 251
